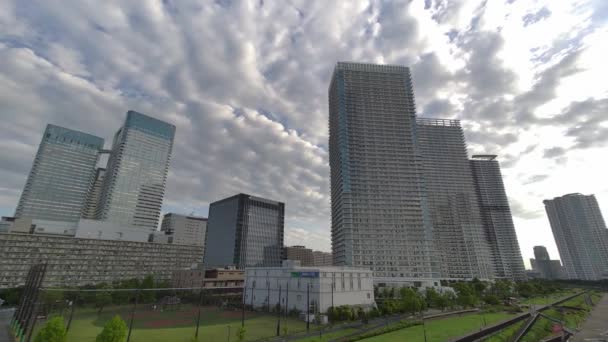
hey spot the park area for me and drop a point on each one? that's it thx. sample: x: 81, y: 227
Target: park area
x: 151, y: 325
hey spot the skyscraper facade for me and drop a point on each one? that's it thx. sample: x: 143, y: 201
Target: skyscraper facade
x: 546, y: 268
x: 380, y: 217
x: 244, y: 231
x: 458, y: 231
x: 134, y: 183
x: 60, y: 178
x: 90, y: 206
x: 580, y: 234
x: 497, y: 219
x: 185, y: 230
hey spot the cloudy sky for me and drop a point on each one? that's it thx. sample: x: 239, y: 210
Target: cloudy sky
x: 246, y: 85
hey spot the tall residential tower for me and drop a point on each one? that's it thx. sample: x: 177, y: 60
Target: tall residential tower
x: 134, y: 183
x: 497, y: 218
x: 380, y: 217
x: 580, y: 234
x: 60, y: 178
x: 458, y: 231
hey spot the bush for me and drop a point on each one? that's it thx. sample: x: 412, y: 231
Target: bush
x: 114, y: 331
x: 53, y: 331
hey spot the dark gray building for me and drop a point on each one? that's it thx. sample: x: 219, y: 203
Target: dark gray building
x: 541, y: 253
x: 546, y: 268
x: 61, y: 175
x: 497, y: 218
x: 377, y: 194
x: 580, y: 234
x: 244, y: 231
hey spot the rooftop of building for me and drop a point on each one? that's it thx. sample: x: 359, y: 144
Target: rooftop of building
x: 484, y: 156
x: 438, y: 122
x: 190, y: 217
x: 255, y: 198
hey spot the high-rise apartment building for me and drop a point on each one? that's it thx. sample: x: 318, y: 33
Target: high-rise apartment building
x: 458, y: 231
x: 497, y: 218
x: 134, y: 184
x: 380, y: 217
x: 244, y: 231
x: 90, y: 206
x: 60, y: 178
x: 580, y: 234
x: 185, y: 230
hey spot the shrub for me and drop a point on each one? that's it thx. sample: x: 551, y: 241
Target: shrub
x: 53, y: 331
x: 114, y: 331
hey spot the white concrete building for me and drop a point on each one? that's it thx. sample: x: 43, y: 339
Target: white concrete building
x: 328, y: 286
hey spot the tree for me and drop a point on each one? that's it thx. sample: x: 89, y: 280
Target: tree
x: 432, y: 297
x: 466, y: 294
x: 240, y: 334
x: 53, y: 331
x: 478, y: 287
x: 114, y: 331
x: 102, y: 299
x: 49, y: 298
x: 148, y: 283
x: 502, y: 288
x: 411, y: 300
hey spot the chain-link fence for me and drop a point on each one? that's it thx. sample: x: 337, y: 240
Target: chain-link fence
x: 161, y: 314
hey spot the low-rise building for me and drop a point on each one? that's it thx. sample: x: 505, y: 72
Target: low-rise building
x: 185, y: 230
x: 290, y: 285
x: 228, y: 277
x: 75, y: 261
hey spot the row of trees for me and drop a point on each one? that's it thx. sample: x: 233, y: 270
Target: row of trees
x: 465, y: 294
x: 54, y: 330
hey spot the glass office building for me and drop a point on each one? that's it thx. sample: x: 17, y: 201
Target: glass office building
x: 379, y: 215
x: 497, y: 218
x: 580, y: 234
x: 60, y: 178
x: 244, y: 231
x: 134, y: 183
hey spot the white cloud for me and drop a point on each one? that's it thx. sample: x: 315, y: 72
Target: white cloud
x: 246, y: 85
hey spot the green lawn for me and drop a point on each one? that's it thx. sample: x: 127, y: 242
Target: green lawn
x: 179, y: 325
x: 544, y: 300
x: 329, y: 336
x: 443, y: 329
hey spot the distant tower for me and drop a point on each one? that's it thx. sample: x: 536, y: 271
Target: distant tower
x: 60, y: 178
x: 580, y: 234
x: 134, y: 184
x: 540, y: 253
x: 497, y: 218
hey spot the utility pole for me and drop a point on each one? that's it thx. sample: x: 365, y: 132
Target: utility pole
x: 198, y: 319
x: 268, y: 298
x: 133, y: 315
x: 279, y: 314
x: 243, y: 306
x: 308, y: 307
x: 287, y: 300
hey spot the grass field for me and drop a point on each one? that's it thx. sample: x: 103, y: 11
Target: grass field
x: 148, y: 325
x: 543, y: 300
x: 443, y: 329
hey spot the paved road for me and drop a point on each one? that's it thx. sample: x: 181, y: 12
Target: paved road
x: 5, y: 319
x: 595, y: 327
